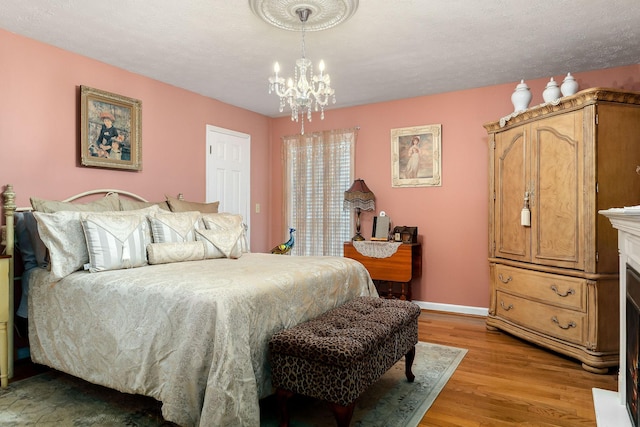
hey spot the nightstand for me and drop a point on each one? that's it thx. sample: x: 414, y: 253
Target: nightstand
x: 392, y: 274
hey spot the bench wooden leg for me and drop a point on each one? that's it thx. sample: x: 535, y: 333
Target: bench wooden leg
x: 408, y: 362
x: 282, y: 397
x: 343, y: 414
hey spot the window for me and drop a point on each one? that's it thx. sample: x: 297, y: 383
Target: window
x: 318, y: 170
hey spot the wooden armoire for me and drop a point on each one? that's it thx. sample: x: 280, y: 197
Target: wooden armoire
x: 553, y: 259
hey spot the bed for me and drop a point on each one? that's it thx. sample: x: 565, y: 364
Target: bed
x: 191, y: 333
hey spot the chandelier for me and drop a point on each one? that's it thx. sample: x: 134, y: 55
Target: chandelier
x: 306, y: 91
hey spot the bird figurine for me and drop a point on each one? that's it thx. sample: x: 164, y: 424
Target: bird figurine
x: 285, y: 247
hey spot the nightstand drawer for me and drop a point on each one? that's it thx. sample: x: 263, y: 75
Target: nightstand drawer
x: 567, y: 325
x: 561, y: 291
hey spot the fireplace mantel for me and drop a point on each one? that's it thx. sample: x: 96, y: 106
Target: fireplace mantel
x: 610, y: 406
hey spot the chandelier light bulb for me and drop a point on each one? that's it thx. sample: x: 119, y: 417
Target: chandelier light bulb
x: 276, y: 68
x: 321, y: 66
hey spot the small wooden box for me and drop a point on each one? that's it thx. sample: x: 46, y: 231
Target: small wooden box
x: 406, y: 234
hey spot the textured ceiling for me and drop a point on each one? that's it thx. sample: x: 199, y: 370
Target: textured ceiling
x: 389, y: 49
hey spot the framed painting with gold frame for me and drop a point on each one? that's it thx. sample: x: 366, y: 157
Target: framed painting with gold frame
x: 416, y: 156
x: 110, y: 134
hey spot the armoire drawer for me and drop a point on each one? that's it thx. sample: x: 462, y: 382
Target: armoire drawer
x: 567, y: 325
x: 561, y: 291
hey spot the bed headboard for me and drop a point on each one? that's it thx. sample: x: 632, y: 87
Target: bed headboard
x: 9, y: 209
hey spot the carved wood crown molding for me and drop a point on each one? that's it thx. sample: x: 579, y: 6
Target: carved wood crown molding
x: 580, y: 99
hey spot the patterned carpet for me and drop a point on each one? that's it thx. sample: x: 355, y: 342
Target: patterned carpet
x: 56, y: 399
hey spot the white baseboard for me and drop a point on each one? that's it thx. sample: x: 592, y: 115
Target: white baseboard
x: 609, y: 411
x: 450, y: 308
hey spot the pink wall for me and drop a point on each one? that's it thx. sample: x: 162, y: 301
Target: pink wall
x: 39, y: 140
x: 40, y: 136
x: 451, y: 219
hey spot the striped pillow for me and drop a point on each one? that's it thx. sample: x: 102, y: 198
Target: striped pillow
x: 174, y: 227
x: 116, y: 241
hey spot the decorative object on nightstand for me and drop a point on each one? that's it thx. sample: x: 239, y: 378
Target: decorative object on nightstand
x: 381, y: 227
x: 359, y: 197
x: 405, y: 234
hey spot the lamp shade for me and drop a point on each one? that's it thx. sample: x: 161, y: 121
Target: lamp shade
x: 359, y: 196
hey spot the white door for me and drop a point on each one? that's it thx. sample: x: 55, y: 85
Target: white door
x: 229, y: 172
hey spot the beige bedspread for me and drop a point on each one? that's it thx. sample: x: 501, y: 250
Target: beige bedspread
x: 193, y: 334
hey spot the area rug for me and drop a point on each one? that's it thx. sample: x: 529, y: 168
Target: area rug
x: 57, y: 399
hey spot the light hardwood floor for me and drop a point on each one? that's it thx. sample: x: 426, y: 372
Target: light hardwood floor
x: 504, y: 381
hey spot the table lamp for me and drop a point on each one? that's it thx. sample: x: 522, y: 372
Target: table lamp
x: 359, y: 196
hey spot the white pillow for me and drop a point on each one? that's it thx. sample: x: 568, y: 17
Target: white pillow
x: 227, y: 221
x: 174, y: 227
x: 225, y: 233
x: 163, y: 253
x: 211, y: 250
x: 62, y: 234
x: 116, y: 240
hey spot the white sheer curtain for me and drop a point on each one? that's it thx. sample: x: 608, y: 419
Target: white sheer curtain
x: 318, y: 168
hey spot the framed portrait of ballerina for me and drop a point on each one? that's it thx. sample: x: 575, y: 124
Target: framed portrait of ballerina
x: 416, y: 156
x: 110, y: 134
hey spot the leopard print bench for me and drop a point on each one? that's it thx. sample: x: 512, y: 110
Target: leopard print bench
x: 336, y: 356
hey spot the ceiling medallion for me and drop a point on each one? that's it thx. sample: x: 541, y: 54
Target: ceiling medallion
x: 323, y: 14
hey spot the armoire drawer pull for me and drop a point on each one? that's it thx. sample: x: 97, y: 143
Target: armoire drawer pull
x: 503, y: 280
x: 571, y: 324
x: 506, y: 307
x: 566, y: 294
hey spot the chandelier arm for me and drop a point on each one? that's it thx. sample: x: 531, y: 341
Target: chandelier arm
x: 280, y: 90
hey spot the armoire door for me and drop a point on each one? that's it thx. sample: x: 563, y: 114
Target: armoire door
x: 511, y: 239
x: 557, y: 223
